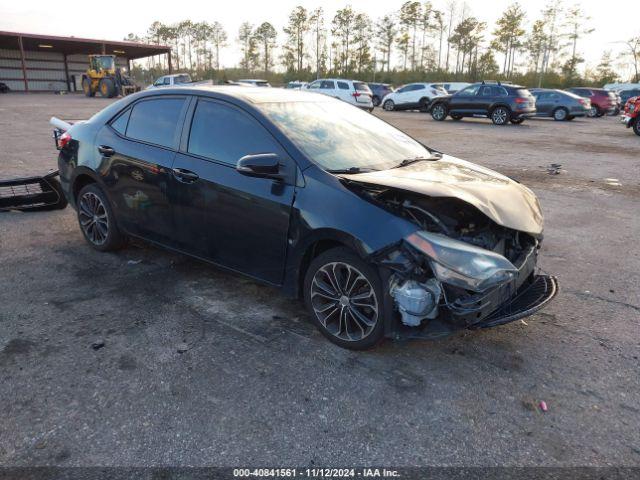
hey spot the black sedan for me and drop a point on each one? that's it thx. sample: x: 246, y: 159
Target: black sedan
x: 379, y: 234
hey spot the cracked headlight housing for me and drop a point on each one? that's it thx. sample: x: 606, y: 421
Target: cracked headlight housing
x: 461, y: 264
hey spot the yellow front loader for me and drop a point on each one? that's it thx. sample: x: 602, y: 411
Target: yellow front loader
x: 103, y: 76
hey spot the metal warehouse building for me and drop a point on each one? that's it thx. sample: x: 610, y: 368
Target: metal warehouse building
x: 40, y: 63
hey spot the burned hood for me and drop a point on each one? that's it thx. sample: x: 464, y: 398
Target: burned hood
x: 503, y: 200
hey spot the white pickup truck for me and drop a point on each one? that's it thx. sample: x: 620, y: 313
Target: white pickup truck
x: 171, y: 80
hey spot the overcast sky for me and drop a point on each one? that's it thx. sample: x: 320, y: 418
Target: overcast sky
x: 613, y: 20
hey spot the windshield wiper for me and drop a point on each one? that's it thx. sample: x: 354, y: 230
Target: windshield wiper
x: 353, y: 170
x: 408, y: 161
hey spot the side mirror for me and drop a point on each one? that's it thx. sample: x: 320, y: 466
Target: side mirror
x: 265, y: 165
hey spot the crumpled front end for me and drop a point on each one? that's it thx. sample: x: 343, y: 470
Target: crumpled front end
x: 460, y: 269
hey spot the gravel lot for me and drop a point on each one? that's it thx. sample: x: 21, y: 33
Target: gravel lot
x: 259, y: 386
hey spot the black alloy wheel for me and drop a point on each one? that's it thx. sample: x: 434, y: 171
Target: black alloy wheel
x: 344, y: 296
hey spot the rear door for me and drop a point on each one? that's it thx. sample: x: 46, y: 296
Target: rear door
x: 221, y: 215
x: 344, y: 92
x: 137, y: 150
x: 544, y: 103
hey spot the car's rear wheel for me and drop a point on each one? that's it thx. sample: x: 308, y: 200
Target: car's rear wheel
x: 439, y: 112
x: 500, y: 116
x: 594, y: 111
x: 97, y: 220
x: 560, y: 114
x: 345, y: 298
x: 389, y: 106
x: 636, y: 126
x: 376, y: 100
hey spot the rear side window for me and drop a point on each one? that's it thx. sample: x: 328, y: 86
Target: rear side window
x: 226, y: 134
x: 155, y: 121
x: 343, y: 85
x: 120, y: 123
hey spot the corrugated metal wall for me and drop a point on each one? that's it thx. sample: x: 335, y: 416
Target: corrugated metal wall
x: 45, y: 70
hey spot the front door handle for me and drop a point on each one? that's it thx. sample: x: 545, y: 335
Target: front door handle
x: 185, y: 176
x: 106, y: 151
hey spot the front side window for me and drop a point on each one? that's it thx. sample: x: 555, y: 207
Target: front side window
x: 325, y: 131
x: 155, y: 121
x: 315, y: 84
x: 223, y: 133
x: 471, y: 90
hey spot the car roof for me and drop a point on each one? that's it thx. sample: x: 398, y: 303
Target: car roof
x: 249, y: 94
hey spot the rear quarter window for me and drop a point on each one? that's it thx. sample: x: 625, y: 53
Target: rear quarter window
x: 155, y: 121
x: 120, y: 123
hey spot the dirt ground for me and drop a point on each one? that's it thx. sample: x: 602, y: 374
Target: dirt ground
x: 260, y: 386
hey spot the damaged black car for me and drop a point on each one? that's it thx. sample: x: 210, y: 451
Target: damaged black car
x: 381, y: 236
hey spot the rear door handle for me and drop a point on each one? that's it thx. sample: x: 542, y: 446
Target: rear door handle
x: 106, y: 151
x: 185, y: 176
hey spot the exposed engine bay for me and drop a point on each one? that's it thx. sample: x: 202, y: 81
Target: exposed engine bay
x: 429, y: 269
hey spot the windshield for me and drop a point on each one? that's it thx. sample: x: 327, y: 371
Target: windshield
x: 338, y: 136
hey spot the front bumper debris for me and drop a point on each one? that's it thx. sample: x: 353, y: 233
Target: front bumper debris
x: 529, y: 299
x: 526, y: 302
x: 32, y: 193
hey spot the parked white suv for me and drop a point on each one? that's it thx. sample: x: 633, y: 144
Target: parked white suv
x: 171, y: 80
x: 351, y: 91
x: 413, y: 96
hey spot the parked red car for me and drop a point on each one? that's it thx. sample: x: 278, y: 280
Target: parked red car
x: 603, y: 102
x: 631, y: 115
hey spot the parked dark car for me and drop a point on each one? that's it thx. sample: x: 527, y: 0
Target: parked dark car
x: 379, y: 91
x: 560, y: 105
x: 603, y: 102
x: 379, y: 234
x: 625, y: 95
x: 502, y: 103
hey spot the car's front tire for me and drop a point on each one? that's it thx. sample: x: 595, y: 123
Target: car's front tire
x: 389, y: 106
x: 500, y: 116
x: 438, y: 112
x: 344, y: 296
x: 97, y: 220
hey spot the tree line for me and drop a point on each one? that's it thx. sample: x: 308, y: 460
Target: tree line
x: 417, y: 42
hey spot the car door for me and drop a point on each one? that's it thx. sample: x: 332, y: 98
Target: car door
x: 344, y: 92
x: 402, y: 95
x: 328, y: 87
x: 222, y: 215
x: 137, y: 150
x: 464, y: 100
